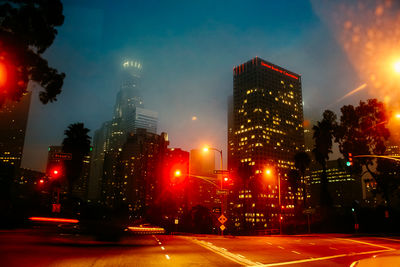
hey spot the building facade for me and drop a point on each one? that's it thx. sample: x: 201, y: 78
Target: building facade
x: 129, y: 115
x: 343, y: 187
x: 13, y: 122
x: 267, y: 131
x: 134, y: 182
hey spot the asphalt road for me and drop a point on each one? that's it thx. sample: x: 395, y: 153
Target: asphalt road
x: 28, y: 248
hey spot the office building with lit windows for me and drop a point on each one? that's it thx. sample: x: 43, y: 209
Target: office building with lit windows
x: 13, y: 122
x: 134, y: 183
x: 266, y: 131
x: 129, y: 115
x: 344, y: 187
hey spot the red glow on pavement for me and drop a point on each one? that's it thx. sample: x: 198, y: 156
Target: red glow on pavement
x: 58, y: 220
x: 278, y: 70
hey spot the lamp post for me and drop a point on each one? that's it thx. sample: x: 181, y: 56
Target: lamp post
x: 268, y: 173
x: 206, y: 149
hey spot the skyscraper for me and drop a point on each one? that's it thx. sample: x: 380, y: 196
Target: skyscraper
x: 267, y: 131
x: 13, y: 121
x: 129, y: 115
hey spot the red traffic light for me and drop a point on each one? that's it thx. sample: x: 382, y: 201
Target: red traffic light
x: 56, y: 172
x: 226, y: 179
x: 41, y: 181
x: 177, y: 173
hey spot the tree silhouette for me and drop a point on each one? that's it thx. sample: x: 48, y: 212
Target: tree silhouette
x: 302, y: 161
x: 76, y: 142
x: 362, y: 131
x: 323, y: 135
x: 27, y: 29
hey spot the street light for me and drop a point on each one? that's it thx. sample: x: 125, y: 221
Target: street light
x: 268, y: 173
x: 206, y: 149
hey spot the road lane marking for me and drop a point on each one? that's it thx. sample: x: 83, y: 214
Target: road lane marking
x: 241, y: 256
x: 320, y: 259
x: 268, y: 243
x: 296, y: 252
x: 166, y: 255
x: 333, y: 248
x: 223, y: 252
x: 162, y: 248
x: 312, y: 244
x: 367, y: 243
x: 281, y: 247
x: 159, y: 243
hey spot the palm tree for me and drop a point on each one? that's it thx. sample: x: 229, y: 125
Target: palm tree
x: 302, y: 160
x: 76, y: 142
x: 323, y: 135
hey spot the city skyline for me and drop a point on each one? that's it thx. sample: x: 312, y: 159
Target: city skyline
x: 183, y: 75
x: 187, y: 66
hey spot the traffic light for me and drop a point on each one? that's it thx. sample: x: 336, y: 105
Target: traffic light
x: 350, y: 160
x: 226, y: 179
x: 55, y: 172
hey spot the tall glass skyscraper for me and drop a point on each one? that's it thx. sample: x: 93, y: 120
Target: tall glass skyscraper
x: 265, y: 131
x: 129, y: 115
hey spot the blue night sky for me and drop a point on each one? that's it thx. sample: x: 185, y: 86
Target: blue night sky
x: 188, y: 50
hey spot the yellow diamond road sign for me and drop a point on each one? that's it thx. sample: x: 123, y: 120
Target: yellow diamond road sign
x: 222, y: 219
x: 222, y: 227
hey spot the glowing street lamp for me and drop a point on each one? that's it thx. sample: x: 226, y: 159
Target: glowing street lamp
x: 177, y: 173
x: 268, y: 173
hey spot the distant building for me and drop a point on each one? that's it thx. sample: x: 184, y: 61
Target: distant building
x: 203, y: 181
x: 267, y: 131
x: 134, y: 182
x: 344, y: 188
x: 100, y: 147
x: 231, y: 136
x: 129, y: 115
x: 13, y: 122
